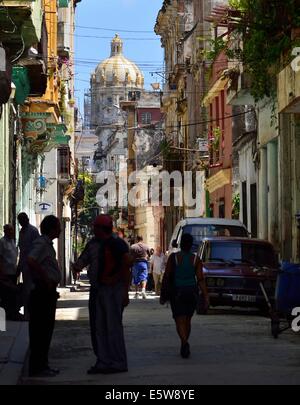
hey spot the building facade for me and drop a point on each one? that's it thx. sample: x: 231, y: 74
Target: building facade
x: 38, y: 150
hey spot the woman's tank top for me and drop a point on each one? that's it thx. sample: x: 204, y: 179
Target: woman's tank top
x: 185, y: 272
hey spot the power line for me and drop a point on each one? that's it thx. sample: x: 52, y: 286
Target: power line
x: 114, y: 29
x: 125, y: 39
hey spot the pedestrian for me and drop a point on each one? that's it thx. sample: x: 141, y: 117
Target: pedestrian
x: 108, y: 259
x: 8, y: 274
x: 158, y: 264
x: 180, y: 286
x: 27, y: 235
x: 45, y: 275
x: 140, y: 253
x: 120, y: 232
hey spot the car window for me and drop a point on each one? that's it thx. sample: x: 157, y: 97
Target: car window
x: 175, y: 236
x: 240, y: 252
x: 201, y: 231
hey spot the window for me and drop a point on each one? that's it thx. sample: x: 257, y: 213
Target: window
x: 201, y: 231
x: 146, y: 118
x: 222, y: 208
x: 241, y: 252
x: 64, y: 162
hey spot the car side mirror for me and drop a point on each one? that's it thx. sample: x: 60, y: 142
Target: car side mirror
x: 174, y: 243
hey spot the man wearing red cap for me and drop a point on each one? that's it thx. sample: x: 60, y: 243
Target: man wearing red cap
x: 108, y: 259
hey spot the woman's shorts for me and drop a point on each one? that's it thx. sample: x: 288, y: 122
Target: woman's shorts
x: 183, y: 301
x: 140, y: 272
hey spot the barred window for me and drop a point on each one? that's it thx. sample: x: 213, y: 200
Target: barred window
x: 146, y: 118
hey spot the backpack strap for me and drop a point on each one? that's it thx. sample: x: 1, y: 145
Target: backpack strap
x: 195, y: 259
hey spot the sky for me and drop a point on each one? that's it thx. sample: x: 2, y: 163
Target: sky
x: 105, y: 18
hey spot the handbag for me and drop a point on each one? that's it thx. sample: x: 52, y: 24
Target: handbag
x: 201, y: 307
x: 167, y: 288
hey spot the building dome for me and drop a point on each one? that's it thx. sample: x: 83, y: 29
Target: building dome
x: 118, y: 70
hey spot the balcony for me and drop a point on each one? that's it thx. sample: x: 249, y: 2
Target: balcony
x: 29, y: 30
x: 288, y: 90
x: 41, y: 134
x: 24, y: 24
x: 64, y: 30
x: 238, y: 90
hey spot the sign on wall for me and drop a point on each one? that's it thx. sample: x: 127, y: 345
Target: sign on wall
x: 44, y: 208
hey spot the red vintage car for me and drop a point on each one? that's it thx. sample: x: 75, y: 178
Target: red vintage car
x: 234, y: 267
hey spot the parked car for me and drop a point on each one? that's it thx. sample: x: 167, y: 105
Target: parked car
x: 234, y: 267
x: 200, y: 228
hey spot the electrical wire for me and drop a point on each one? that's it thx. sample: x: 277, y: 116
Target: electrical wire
x: 125, y: 39
x: 114, y: 29
x: 11, y: 20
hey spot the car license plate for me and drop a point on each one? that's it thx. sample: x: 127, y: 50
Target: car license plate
x: 244, y: 298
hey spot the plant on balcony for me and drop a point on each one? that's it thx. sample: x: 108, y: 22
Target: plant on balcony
x: 266, y: 27
x: 62, y: 97
x: 269, y: 30
x: 236, y: 206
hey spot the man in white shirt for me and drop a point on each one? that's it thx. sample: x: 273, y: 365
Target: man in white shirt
x: 46, y: 275
x: 8, y: 272
x: 158, y: 264
x: 28, y: 234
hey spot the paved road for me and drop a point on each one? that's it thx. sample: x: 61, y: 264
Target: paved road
x: 228, y: 347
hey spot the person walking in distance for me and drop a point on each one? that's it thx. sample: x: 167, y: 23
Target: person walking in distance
x: 27, y: 235
x: 8, y: 273
x: 158, y: 264
x: 108, y: 259
x: 46, y: 275
x: 140, y: 253
x: 181, y: 282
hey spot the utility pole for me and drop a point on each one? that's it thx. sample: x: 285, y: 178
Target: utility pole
x: 130, y: 108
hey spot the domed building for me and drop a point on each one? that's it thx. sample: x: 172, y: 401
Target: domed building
x: 111, y: 82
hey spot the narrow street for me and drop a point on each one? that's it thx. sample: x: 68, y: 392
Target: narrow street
x: 228, y: 347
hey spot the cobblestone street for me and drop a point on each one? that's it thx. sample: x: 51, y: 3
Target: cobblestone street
x: 228, y: 347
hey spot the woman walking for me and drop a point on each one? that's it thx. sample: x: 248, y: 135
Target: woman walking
x: 180, y: 286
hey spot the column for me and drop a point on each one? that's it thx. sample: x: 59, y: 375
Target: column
x: 263, y: 196
x: 272, y: 167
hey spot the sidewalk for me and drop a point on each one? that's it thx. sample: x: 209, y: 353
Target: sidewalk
x: 13, y: 350
x: 14, y: 345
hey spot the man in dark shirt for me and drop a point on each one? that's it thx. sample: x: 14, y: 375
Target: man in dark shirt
x: 109, y: 263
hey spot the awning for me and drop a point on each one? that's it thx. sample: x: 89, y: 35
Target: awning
x: 20, y: 79
x: 63, y: 3
x: 218, y: 180
x: 214, y: 91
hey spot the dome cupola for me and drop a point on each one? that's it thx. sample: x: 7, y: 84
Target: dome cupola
x: 118, y: 71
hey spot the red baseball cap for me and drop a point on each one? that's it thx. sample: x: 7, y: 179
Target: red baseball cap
x: 103, y: 220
